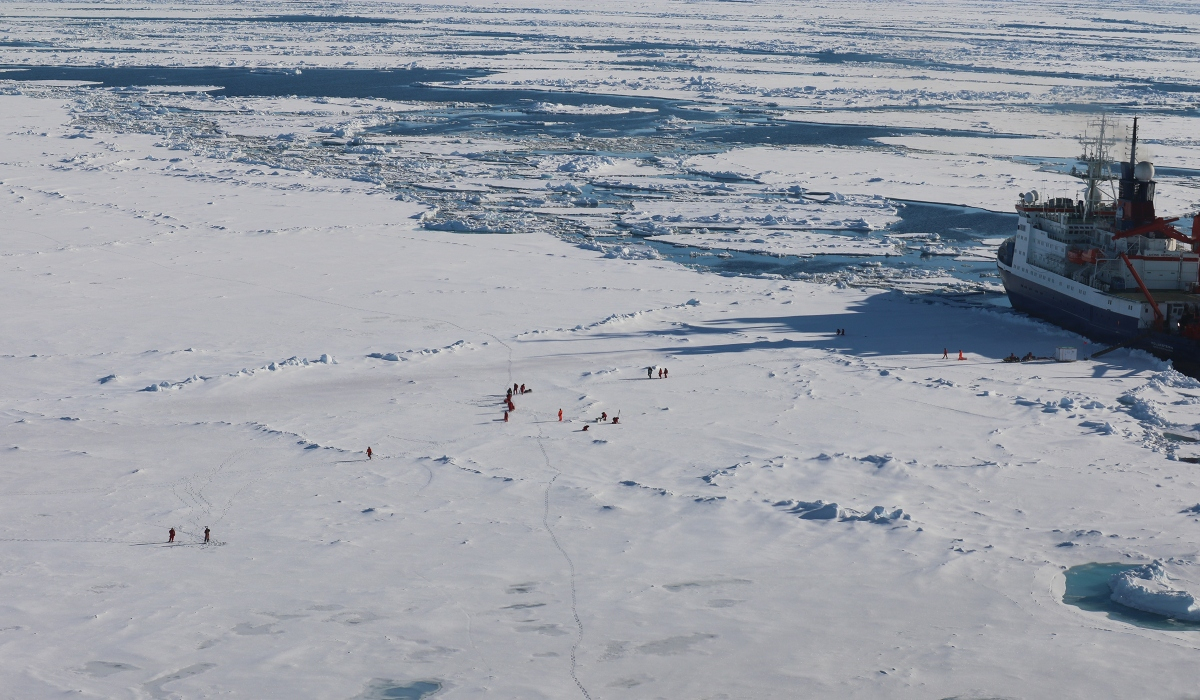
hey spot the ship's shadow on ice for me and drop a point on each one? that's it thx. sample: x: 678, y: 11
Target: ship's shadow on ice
x: 888, y: 324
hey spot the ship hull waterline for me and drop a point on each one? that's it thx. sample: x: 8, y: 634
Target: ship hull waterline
x: 1099, y: 325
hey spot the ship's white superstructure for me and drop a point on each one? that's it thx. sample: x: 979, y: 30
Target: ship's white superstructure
x: 1107, y: 266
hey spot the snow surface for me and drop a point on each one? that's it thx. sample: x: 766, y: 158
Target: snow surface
x: 792, y: 513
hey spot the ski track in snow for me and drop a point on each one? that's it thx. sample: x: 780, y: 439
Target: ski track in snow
x: 570, y: 565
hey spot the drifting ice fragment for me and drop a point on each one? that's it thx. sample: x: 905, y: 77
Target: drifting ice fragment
x: 1150, y: 589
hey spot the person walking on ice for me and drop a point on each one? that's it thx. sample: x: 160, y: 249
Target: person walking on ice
x: 170, y: 535
x: 369, y: 453
x: 207, y: 533
x: 649, y: 373
x: 945, y: 353
x: 560, y: 415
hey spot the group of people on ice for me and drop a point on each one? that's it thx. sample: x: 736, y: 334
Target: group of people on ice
x: 604, y: 419
x: 519, y: 389
x: 207, y: 534
x: 508, y: 399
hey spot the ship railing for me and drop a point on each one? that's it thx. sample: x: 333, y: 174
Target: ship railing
x: 1047, y: 263
x: 1062, y: 218
x: 1069, y: 236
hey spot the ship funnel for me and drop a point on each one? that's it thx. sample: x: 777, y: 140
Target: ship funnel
x: 1144, y: 171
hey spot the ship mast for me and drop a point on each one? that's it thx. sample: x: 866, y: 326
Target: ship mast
x: 1133, y: 145
x: 1096, y: 155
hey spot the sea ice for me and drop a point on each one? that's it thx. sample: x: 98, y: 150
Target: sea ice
x: 298, y: 181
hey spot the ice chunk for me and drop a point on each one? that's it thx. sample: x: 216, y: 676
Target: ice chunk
x: 461, y: 226
x: 568, y: 187
x: 828, y: 511
x: 1141, y: 409
x: 820, y: 510
x: 1150, y: 589
x: 585, y: 164
x: 879, y: 515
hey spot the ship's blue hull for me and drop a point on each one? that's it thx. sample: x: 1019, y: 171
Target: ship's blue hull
x: 1098, y: 324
